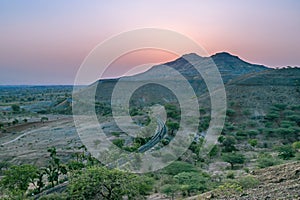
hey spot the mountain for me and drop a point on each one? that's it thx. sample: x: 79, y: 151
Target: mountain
x: 230, y: 67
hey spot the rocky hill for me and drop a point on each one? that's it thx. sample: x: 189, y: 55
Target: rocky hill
x: 278, y: 182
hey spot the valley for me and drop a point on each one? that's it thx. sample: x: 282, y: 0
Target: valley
x: 260, y: 140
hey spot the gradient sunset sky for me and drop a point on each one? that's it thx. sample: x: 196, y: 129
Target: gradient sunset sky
x: 45, y: 42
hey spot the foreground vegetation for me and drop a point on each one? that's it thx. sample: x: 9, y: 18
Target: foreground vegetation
x: 248, y: 142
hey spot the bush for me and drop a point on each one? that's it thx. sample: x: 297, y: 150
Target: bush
x: 267, y: 161
x: 228, y: 189
x: 230, y: 112
x: 252, y: 133
x: 55, y: 196
x: 192, y: 182
x: 286, y: 152
x: 16, y: 108
x: 230, y: 175
x: 118, y: 142
x: 248, y: 182
x: 296, y: 145
x: 101, y: 183
x: 253, y: 142
x: 170, y: 189
x: 280, y: 106
x: 179, y: 167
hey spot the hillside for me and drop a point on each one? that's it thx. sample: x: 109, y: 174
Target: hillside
x: 230, y: 67
x: 279, y: 182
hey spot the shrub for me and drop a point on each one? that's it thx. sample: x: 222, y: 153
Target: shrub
x: 280, y: 106
x: 286, y: 152
x: 55, y: 196
x: 266, y: 160
x: 179, y: 167
x: 296, y: 145
x: 214, y: 151
x: 272, y: 116
x: 16, y: 108
x: 118, y: 142
x: 230, y: 112
x: 192, y: 181
x: 252, y: 133
x: 253, y: 142
x: 248, y: 182
x: 101, y: 183
x: 228, y: 189
x: 230, y: 175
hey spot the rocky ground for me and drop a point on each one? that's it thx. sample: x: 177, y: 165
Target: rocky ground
x: 278, y: 182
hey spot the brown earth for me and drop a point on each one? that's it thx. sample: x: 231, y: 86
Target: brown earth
x: 278, y: 182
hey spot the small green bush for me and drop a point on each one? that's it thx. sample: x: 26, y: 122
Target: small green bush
x: 228, y: 189
x: 248, y: 182
x: 266, y: 160
x: 253, y: 142
x: 230, y: 175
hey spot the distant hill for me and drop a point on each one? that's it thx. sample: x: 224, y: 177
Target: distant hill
x: 256, y: 92
x: 230, y: 67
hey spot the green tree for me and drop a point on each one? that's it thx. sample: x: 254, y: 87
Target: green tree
x: 15, y: 122
x: 229, y: 143
x: 172, y: 111
x: 253, y: 142
x: 170, y: 190
x: 286, y: 152
x: 233, y: 158
x: 214, y: 151
x: 179, y: 167
x: 43, y: 119
x: 55, y: 168
x: 16, y: 108
x: 172, y: 126
x: 230, y: 112
x: 17, y: 178
x: 192, y: 182
x: 100, y: 183
x: 119, y: 142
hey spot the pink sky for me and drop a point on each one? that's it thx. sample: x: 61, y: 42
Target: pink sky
x: 45, y: 42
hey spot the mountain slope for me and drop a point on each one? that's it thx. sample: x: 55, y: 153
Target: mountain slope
x: 230, y: 67
x: 278, y: 182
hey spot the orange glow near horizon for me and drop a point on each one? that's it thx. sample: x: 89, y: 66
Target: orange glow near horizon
x: 132, y: 59
x: 46, y: 42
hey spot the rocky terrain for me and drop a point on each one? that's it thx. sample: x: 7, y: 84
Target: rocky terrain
x: 278, y: 182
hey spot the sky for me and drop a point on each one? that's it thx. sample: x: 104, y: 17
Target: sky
x: 45, y: 42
